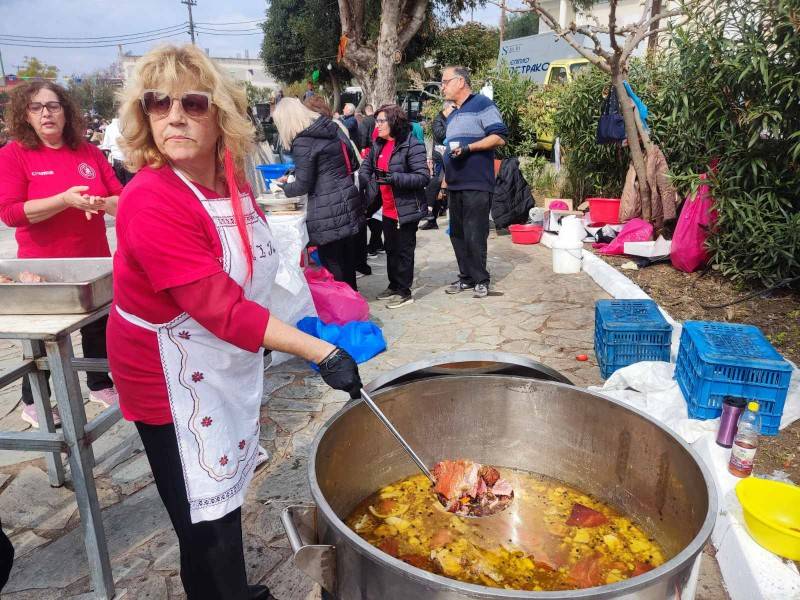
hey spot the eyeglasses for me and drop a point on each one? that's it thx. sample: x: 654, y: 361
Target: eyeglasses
x: 381, y: 120
x: 37, y: 107
x: 446, y: 81
x: 158, y: 104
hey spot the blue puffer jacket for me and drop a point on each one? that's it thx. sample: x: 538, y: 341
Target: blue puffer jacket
x: 335, y: 210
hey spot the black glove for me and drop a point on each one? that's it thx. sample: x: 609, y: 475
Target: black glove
x: 383, y: 177
x: 340, y: 371
x: 460, y: 152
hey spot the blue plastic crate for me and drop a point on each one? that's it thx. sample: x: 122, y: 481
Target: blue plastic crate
x: 273, y: 171
x: 725, y: 359
x: 627, y: 332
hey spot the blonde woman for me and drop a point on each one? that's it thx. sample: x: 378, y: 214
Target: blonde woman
x: 324, y: 171
x: 193, y: 271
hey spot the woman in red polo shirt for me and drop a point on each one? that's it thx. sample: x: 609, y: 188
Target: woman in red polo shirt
x: 54, y: 189
x: 193, y: 275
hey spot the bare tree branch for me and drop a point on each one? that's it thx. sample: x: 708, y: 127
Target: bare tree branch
x: 413, y: 24
x: 567, y: 36
x: 612, y: 26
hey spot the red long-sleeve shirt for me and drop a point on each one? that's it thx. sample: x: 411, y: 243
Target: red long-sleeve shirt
x: 168, y: 261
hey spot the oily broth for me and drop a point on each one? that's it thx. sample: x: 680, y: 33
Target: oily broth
x: 528, y: 546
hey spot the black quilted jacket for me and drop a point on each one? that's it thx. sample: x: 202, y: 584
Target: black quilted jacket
x: 335, y: 209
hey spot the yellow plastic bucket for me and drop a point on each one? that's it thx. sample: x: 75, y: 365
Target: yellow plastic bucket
x: 772, y: 514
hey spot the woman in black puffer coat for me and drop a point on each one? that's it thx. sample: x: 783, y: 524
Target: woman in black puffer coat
x: 397, y: 172
x: 324, y: 171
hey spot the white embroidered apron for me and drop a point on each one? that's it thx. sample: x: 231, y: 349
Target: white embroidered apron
x: 214, y: 387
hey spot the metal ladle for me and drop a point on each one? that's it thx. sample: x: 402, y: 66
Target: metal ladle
x: 385, y: 420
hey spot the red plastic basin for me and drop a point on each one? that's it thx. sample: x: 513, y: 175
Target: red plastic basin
x: 526, y: 234
x: 604, y: 210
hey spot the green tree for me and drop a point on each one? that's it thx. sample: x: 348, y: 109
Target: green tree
x: 34, y: 68
x: 521, y: 24
x: 95, y: 93
x: 472, y: 45
x: 299, y: 39
x: 373, y: 54
x: 256, y: 94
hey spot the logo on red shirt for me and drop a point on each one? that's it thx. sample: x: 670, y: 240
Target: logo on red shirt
x: 86, y: 171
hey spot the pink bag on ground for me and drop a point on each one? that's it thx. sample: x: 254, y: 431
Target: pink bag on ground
x: 688, y: 252
x: 635, y: 230
x: 335, y: 301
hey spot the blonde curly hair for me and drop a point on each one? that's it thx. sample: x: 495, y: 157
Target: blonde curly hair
x: 164, y: 68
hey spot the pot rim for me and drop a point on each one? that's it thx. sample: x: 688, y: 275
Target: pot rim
x: 614, y: 590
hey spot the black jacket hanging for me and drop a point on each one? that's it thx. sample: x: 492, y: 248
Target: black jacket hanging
x: 611, y: 127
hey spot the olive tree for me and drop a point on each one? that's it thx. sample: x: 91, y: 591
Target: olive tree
x: 614, y: 60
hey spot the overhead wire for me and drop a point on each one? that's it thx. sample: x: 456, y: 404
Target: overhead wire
x: 100, y: 38
x: 66, y: 42
x: 64, y: 46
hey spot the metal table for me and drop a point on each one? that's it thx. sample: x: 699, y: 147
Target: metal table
x: 47, y: 347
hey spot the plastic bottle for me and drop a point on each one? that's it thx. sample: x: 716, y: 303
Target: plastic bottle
x: 744, y: 444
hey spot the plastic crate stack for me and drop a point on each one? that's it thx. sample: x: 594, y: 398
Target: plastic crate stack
x: 725, y: 359
x: 627, y: 332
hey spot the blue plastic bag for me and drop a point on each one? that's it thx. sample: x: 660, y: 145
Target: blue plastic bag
x: 362, y: 339
x: 643, y: 111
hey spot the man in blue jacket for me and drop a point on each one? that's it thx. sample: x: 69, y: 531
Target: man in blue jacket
x: 474, y: 129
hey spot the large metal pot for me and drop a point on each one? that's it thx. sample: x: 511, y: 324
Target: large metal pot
x: 594, y: 443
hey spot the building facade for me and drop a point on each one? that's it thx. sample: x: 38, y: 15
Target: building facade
x: 244, y: 70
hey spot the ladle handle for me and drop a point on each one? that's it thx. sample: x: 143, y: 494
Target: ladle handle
x: 379, y: 413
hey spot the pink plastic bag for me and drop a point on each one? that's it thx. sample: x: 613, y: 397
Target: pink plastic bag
x: 635, y: 230
x: 335, y: 301
x: 688, y: 252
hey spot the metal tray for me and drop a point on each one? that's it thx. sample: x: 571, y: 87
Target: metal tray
x: 73, y: 285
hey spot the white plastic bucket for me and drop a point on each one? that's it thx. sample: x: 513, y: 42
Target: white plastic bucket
x: 567, y: 259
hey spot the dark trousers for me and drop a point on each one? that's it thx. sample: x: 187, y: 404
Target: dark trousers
x: 121, y: 172
x: 361, y: 252
x: 93, y: 341
x: 212, y: 553
x: 6, y: 557
x: 340, y: 259
x: 375, y: 235
x: 469, y: 232
x: 435, y: 206
x: 401, y: 241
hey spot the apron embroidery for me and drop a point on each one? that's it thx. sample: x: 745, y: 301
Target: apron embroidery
x: 215, y: 388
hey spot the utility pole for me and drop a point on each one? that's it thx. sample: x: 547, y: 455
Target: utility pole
x: 502, y: 20
x: 190, y: 4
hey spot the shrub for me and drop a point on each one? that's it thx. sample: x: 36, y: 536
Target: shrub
x: 511, y: 92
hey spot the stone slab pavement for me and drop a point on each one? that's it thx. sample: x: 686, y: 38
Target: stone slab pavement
x: 531, y: 311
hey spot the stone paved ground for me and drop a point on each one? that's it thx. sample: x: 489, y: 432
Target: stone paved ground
x: 533, y: 312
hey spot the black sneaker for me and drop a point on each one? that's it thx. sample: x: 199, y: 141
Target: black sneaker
x: 429, y: 225
x: 399, y: 301
x: 372, y: 254
x: 481, y: 291
x: 387, y: 294
x: 457, y: 287
x: 259, y: 592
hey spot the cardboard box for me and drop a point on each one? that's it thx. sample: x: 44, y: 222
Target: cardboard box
x: 552, y: 218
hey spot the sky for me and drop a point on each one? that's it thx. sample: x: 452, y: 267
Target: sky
x: 105, y: 18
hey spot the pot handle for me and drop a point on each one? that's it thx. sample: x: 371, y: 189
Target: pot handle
x: 318, y: 561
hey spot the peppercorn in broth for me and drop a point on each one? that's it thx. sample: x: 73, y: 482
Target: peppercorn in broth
x: 552, y: 537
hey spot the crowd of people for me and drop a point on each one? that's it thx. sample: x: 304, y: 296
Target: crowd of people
x: 190, y: 322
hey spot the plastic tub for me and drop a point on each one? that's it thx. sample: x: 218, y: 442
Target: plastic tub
x: 526, y: 234
x: 771, y: 514
x: 273, y: 171
x: 604, y: 210
x: 567, y: 257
